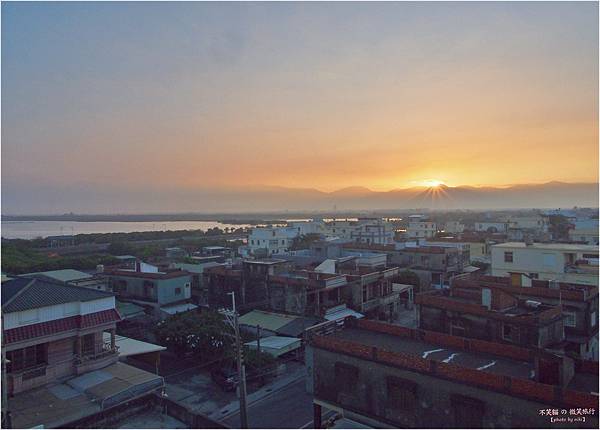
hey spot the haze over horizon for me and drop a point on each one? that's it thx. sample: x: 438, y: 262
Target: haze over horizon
x: 134, y: 107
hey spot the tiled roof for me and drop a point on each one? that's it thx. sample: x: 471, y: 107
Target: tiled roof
x: 21, y: 294
x: 60, y: 325
x: 11, y: 288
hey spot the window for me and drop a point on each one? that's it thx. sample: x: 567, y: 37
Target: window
x: 25, y: 358
x: 590, y: 255
x: 346, y: 375
x: 468, y: 412
x: 507, y: 332
x: 177, y: 291
x: 401, y: 393
x: 283, y: 242
x: 594, y: 318
x: 570, y: 319
x: 87, y: 344
x: 508, y: 257
x: 534, y: 275
x: 364, y: 293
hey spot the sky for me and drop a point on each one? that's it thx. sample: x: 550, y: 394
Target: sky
x: 138, y: 99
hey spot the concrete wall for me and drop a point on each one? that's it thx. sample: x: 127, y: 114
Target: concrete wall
x: 434, y: 402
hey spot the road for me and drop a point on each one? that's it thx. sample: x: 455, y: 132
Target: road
x: 290, y: 407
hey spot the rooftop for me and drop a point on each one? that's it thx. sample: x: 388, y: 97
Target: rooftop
x: 147, y: 275
x: 549, y: 246
x: 60, y: 404
x: 491, y: 366
x: 21, y: 294
x: 64, y: 275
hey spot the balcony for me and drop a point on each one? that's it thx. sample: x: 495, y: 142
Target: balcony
x: 96, y: 359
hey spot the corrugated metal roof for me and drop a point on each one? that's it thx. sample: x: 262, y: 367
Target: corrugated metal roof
x: 64, y: 275
x: 27, y: 293
x: 342, y: 313
x: 128, y: 346
x: 267, y: 320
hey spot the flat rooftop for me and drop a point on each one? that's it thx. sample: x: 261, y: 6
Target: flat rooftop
x: 550, y: 246
x: 476, y: 361
x: 81, y: 396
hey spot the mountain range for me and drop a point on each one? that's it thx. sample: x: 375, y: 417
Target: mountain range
x: 95, y: 200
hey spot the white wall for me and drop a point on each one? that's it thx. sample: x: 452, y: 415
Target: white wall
x: 56, y: 312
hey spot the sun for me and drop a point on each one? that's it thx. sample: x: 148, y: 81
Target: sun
x: 432, y: 183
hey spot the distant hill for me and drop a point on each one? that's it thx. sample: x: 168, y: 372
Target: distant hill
x: 273, y: 198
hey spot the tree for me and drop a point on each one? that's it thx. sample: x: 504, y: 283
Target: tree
x: 304, y: 241
x: 205, y: 334
x: 411, y: 278
x: 120, y: 248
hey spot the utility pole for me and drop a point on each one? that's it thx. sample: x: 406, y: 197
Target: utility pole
x: 258, y: 346
x: 6, y: 421
x: 232, y: 319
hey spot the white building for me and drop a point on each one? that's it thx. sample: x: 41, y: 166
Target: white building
x: 420, y: 228
x: 270, y: 240
x: 491, y: 227
x: 454, y: 227
x: 585, y: 231
x: 373, y: 231
x: 547, y: 261
x: 341, y: 228
x: 303, y: 228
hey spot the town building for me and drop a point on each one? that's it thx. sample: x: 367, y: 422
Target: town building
x: 160, y: 292
x: 579, y: 305
x: 199, y: 290
x: 585, y: 231
x: 175, y: 252
x: 570, y: 263
x: 419, y: 227
x: 248, y: 280
x: 388, y: 376
x: 268, y: 241
x: 491, y: 226
x: 490, y: 314
x: 60, y: 367
x: 373, y: 231
x: 72, y: 277
x: 454, y: 227
x: 528, y: 227
x: 315, y: 226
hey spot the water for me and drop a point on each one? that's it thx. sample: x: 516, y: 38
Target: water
x: 34, y: 229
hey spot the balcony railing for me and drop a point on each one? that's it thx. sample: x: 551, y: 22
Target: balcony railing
x: 32, y: 372
x: 104, y: 351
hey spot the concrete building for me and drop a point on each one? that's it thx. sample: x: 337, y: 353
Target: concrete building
x: 373, y: 231
x: 490, y: 314
x: 316, y: 226
x: 53, y: 341
x: 570, y: 263
x: 268, y: 241
x: 454, y: 227
x: 529, y: 227
x: 155, y: 290
x: 420, y: 228
x: 199, y: 290
x: 72, y: 277
x: 248, y: 280
x: 491, y: 226
x: 341, y: 228
x: 388, y: 376
x: 578, y: 303
x: 585, y: 231
x: 175, y: 252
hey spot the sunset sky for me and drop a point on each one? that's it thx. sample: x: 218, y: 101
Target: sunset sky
x: 182, y: 96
